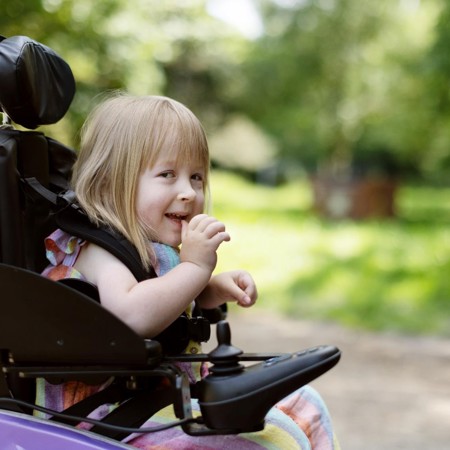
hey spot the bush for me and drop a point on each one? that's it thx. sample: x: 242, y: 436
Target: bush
x: 381, y: 275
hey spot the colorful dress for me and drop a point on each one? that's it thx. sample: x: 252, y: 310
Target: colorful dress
x: 300, y: 421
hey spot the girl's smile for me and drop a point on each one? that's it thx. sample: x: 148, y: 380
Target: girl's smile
x: 176, y: 217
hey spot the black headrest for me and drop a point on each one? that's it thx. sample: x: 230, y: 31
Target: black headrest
x: 36, y: 85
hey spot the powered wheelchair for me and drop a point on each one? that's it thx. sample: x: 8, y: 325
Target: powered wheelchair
x: 50, y: 329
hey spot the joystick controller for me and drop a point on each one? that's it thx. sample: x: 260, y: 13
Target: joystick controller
x: 235, y: 399
x: 225, y: 357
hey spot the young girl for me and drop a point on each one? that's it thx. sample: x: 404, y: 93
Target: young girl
x: 143, y: 170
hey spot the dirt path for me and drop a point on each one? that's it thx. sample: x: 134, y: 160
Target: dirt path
x: 387, y: 392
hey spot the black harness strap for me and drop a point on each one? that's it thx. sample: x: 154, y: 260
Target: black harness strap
x: 113, y: 393
x: 135, y: 408
x: 75, y: 222
x: 135, y: 411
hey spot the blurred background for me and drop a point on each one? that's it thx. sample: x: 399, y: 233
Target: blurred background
x: 329, y: 128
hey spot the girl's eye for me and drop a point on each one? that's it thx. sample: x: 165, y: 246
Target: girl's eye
x: 197, y: 177
x: 167, y: 174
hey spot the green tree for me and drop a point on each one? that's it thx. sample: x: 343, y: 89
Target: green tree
x: 142, y: 46
x: 337, y: 81
x: 435, y: 72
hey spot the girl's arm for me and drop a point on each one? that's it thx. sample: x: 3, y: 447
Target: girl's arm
x: 152, y: 305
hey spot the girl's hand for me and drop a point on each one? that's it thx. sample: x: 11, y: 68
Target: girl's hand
x: 200, y: 239
x: 237, y: 285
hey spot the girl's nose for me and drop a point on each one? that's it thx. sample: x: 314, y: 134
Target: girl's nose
x: 187, y: 193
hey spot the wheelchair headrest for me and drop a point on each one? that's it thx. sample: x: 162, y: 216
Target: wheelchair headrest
x: 36, y: 85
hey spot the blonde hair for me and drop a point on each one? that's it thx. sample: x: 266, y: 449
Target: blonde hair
x: 122, y: 137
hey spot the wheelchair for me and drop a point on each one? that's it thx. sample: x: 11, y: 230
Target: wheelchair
x: 50, y: 329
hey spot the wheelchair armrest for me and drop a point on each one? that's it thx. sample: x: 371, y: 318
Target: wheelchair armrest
x: 43, y: 322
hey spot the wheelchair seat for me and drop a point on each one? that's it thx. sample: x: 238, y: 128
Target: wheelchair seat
x: 50, y: 330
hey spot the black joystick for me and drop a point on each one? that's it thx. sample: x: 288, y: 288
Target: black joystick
x: 235, y: 399
x: 225, y: 357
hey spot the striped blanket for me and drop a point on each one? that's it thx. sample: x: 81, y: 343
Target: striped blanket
x: 299, y: 422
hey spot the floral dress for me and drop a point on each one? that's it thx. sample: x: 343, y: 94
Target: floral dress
x: 300, y: 421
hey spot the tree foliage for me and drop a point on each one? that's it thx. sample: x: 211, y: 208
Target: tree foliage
x: 142, y: 46
x: 331, y: 80
x: 342, y: 80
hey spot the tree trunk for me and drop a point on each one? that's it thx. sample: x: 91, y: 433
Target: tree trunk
x: 355, y: 198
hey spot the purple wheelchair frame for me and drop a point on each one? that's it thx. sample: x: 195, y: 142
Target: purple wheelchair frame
x: 22, y: 431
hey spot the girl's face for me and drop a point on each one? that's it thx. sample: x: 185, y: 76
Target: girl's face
x: 168, y: 193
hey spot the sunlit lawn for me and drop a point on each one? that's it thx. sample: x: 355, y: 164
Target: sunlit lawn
x: 392, y: 274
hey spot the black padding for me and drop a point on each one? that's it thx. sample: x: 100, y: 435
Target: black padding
x: 64, y: 326
x: 36, y: 85
x: 85, y: 287
x: 11, y: 220
x: 26, y: 217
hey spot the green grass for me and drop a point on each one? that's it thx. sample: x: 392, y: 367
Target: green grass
x: 379, y: 275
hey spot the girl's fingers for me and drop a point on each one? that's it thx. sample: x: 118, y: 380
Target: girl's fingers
x: 195, y: 221
x: 214, y: 228
x: 201, y: 222
x: 218, y: 238
x: 247, y: 284
x: 206, y: 224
